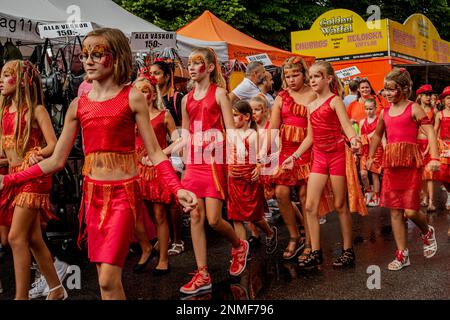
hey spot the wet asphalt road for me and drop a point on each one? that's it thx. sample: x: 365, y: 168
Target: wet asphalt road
x: 272, y: 278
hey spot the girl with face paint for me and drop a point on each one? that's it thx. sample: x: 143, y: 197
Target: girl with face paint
x: 155, y: 195
x: 108, y: 115
x: 27, y: 138
x: 206, y: 114
x: 403, y: 164
x: 424, y: 100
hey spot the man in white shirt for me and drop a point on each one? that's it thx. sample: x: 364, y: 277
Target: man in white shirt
x: 248, y: 88
x: 353, y: 95
x: 266, y: 87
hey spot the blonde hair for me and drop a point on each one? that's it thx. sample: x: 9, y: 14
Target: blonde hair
x: 335, y: 84
x: 294, y: 63
x: 28, y: 95
x: 216, y: 76
x: 120, y: 48
x: 259, y: 98
x: 159, y: 102
x: 403, y: 80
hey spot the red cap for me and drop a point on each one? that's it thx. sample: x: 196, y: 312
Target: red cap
x: 426, y: 88
x: 445, y: 93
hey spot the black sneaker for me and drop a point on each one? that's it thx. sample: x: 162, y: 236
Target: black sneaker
x: 315, y: 259
x: 272, y: 243
x: 346, y: 259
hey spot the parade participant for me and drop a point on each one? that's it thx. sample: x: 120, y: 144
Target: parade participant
x: 402, y: 164
x: 171, y: 101
x: 368, y: 126
x: 424, y: 100
x: 289, y: 114
x: 154, y: 193
x: 107, y: 117
x: 246, y: 202
x: 328, y: 119
x: 356, y: 110
x: 206, y: 113
x: 442, y: 127
x: 27, y: 137
x: 4, y: 227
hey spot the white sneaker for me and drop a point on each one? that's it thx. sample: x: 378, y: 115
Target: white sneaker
x: 40, y: 288
x: 323, y: 220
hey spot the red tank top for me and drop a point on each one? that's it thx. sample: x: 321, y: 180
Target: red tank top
x: 204, y: 114
x: 159, y: 127
x: 8, y: 123
x: 401, y: 128
x: 107, y: 126
x: 288, y: 117
x: 367, y: 128
x: 326, y: 128
x: 444, y: 133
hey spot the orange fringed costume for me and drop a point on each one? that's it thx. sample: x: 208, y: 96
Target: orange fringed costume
x: 423, y: 144
x: 294, y: 119
x: 31, y: 195
x: 109, y: 208
x: 151, y: 187
x: 444, y: 149
x: 366, y: 129
x: 246, y: 200
x: 403, y: 162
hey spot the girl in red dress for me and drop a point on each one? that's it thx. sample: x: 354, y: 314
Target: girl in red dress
x: 442, y: 127
x: 27, y: 138
x: 206, y: 112
x: 289, y: 115
x: 403, y: 164
x: 328, y: 118
x: 368, y: 126
x: 155, y: 195
x: 246, y: 200
x: 107, y: 116
x: 424, y: 100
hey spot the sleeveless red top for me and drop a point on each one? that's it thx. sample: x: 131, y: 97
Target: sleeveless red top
x: 8, y: 123
x: 204, y: 114
x: 367, y: 128
x: 444, y: 133
x: 326, y: 128
x: 159, y: 127
x: 107, y: 126
x: 289, y: 115
x: 401, y: 128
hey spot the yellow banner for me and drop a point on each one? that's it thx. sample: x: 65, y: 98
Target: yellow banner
x: 417, y: 39
x: 342, y: 35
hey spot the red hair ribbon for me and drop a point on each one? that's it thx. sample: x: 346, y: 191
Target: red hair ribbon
x: 401, y: 70
x: 158, y: 60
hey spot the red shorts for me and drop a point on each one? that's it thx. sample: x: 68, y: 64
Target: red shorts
x: 329, y: 163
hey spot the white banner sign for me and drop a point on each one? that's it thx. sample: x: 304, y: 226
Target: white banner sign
x: 19, y: 28
x: 58, y: 30
x: 153, y: 41
x: 348, y: 72
x: 263, y: 58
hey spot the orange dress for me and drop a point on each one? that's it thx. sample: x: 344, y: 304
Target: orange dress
x: 357, y: 112
x: 423, y: 144
x: 444, y: 142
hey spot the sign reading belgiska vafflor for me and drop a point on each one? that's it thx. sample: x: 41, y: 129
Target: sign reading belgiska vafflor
x: 153, y: 41
x: 58, y: 30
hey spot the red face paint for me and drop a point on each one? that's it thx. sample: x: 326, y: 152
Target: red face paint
x: 107, y: 62
x: 202, y: 68
x: 12, y: 81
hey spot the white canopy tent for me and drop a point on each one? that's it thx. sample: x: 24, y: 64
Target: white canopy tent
x: 19, y: 20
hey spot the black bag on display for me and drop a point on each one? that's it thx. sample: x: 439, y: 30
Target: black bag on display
x: 10, y: 52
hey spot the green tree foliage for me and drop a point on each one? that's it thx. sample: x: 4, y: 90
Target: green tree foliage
x: 272, y: 21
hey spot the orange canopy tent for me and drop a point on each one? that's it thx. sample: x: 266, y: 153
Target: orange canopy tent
x: 208, y: 27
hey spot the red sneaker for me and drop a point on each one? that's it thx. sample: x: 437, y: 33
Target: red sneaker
x: 198, y: 283
x: 239, y: 258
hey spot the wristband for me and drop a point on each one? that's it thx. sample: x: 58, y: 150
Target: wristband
x: 27, y: 175
x: 167, y: 176
x: 295, y: 155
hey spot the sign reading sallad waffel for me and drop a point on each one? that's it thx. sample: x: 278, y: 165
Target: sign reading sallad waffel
x: 153, y: 41
x: 59, y: 30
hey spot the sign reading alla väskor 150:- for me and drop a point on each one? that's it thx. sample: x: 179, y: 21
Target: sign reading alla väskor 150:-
x: 154, y: 41
x: 58, y: 30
